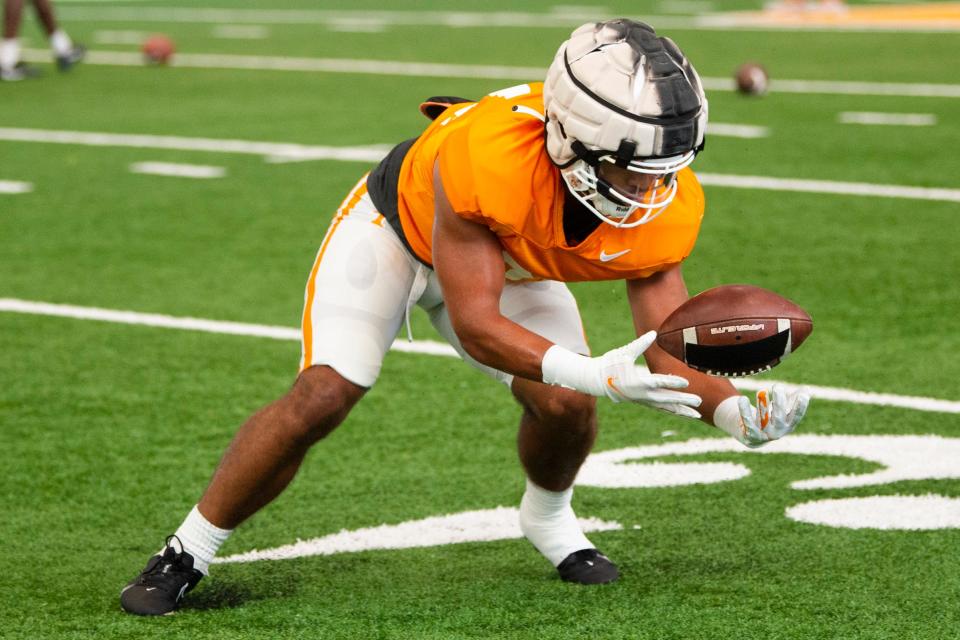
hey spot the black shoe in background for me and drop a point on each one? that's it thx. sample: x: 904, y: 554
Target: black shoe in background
x: 72, y: 57
x: 22, y: 71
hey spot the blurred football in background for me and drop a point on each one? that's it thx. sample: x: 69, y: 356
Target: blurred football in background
x: 157, y: 49
x: 752, y: 79
x: 734, y: 330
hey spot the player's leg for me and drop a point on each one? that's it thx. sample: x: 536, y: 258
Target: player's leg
x: 355, y: 301
x: 354, y: 305
x: 65, y: 52
x: 266, y: 452
x: 10, y: 44
x: 12, y: 17
x: 557, y: 428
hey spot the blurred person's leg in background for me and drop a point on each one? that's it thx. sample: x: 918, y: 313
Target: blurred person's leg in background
x: 65, y: 52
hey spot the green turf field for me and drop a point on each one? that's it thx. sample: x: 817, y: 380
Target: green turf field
x: 110, y: 431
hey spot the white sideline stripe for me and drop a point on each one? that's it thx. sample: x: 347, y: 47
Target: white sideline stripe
x: 901, y: 119
x: 493, y: 72
x: 178, y: 170
x: 288, y: 152
x: 829, y: 186
x: 561, y: 17
x: 13, y: 186
x: 427, y: 347
x: 140, y: 141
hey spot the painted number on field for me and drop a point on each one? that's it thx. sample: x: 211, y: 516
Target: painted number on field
x: 898, y: 457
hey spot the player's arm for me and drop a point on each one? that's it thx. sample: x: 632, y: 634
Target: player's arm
x: 651, y: 301
x: 777, y: 412
x: 469, y: 263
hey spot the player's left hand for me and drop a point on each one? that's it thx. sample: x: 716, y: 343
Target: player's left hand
x: 778, y: 412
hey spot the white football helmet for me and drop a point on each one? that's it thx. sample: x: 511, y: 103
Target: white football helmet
x: 617, y: 93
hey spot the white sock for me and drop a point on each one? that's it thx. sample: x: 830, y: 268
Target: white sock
x: 9, y: 53
x: 548, y: 521
x: 60, y: 42
x: 201, y: 539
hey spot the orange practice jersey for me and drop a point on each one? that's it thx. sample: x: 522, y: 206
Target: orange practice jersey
x: 496, y: 171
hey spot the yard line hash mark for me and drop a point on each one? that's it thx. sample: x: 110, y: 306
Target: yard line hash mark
x: 15, y: 186
x: 894, y: 119
x: 178, y: 170
x: 291, y: 152
x: 426, y: 347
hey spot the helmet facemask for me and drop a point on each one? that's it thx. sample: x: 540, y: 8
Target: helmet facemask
x: 616, y: 205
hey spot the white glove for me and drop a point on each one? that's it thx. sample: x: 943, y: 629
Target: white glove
x: 778, y: 412
x: 616, y: 375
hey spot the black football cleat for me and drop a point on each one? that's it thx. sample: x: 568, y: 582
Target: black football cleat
x: 72, y: 57
x: 162, y: 584
x: 22, y: 71
x: 588, y: 566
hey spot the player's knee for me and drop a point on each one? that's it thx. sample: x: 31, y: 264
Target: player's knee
x: 571, y: 410
x: 320, y: 400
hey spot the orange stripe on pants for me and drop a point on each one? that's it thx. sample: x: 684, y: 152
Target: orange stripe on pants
x: 307, y: 323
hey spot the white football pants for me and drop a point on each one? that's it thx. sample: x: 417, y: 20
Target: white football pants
x: 364, y: 282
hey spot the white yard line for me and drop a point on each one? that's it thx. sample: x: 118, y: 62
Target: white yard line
x: 283, y: 152
x: 215, y: 145
x: 567, y: 18
x: 427, y: 347
x: 14, y: 187
x: 473, y: 71
x: 893, y: 119
x: 192, y: 324
x: 846, y: 87
x: 178, y: 170
x: 563, y: 18
x: 829, y: 186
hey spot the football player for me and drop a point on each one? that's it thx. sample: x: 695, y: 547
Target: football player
x: 480, y: 220
x: 65, y: 52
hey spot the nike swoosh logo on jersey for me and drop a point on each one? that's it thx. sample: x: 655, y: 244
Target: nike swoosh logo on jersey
x: 607, y: 257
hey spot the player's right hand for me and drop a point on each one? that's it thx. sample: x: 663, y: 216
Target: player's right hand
x: 617, y: 376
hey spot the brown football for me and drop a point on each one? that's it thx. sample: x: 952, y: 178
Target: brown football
x: 734, y: 330
x: 752, y: 79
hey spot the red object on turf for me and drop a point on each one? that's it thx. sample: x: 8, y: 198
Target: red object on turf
x: 158, y: 49
x: 734, y: 330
